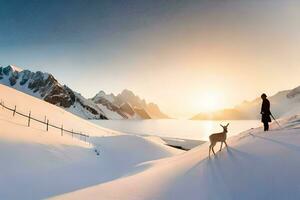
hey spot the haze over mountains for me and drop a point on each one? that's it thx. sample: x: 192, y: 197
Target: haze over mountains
x: 128, y: 105
x: 125, y: 105
x: 283, y: 103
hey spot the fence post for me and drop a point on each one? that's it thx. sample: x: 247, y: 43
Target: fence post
x: 62, y: 130
x: 46, y: 121
x: 15, y: 111
x: 29, y: 116
x: 47, y: 125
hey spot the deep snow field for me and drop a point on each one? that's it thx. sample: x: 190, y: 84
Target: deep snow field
x: 36, y: 164
x: 256, y: 166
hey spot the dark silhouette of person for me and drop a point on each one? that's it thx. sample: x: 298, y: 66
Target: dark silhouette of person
x: 265, y: 112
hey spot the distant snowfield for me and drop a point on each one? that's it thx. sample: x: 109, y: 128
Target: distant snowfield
x: 36, y: 164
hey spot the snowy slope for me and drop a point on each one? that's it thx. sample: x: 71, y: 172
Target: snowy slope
x: 36, y: 164
x: 109, y: 113
x: 257, y: 165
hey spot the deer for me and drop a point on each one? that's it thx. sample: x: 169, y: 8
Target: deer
x: 218, y: 137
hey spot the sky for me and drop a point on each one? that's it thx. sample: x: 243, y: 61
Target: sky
x: 186, y: 56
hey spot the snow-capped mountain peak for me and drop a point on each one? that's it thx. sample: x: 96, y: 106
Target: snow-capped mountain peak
x: 13, y: 68
x: 129, y: 104
x: 102, y: 94
x: 45, y: 86
x: 102, y: 106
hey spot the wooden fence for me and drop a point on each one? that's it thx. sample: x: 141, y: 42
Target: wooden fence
x: 46, y: 122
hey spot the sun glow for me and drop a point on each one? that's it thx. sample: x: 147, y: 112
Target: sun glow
x: 208, y: 102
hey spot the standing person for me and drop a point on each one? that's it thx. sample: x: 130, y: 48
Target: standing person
x: 265, y: 112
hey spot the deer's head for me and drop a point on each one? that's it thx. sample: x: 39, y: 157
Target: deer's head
x: 225, y: 127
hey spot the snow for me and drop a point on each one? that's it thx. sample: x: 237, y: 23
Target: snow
x: 45, y: 86
x: 186, y: 144
x: 22, y: 74
x: 39, y: 109
x: 284, y: 103
x: 102, y: 94
x: 109, y: 113
x: 25, y: 78
x: 257, y: 165
x: 16, y: 68
x: 128, y: 105
x: 36, y: 164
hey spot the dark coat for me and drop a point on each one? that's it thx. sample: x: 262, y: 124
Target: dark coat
x: 265, y: 111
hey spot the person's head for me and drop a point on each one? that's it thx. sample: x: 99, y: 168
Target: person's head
x: 263, y: 96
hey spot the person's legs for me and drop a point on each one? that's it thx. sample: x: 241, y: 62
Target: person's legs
x: 266, y: 126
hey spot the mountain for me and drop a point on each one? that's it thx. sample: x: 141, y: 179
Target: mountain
x: 283, y: 103
x: 44, y: 86
x: 128, y: 104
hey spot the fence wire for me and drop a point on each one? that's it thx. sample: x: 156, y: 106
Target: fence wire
x: 29, y: 117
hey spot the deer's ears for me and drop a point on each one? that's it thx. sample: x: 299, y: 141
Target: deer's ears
x: 225, y: 125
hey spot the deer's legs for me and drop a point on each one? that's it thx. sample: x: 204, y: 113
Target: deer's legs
x: 221, y: 146
x: 226, y: 144
x: 212, y: 148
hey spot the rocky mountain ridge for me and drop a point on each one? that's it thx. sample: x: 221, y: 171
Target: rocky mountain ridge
x: 45, y: 86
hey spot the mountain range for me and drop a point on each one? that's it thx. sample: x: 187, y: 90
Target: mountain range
x: 128, y: 105
x: 125, y: 105
x: 283, y: 103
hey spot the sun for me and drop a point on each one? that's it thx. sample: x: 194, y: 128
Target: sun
x: 208, y: 101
